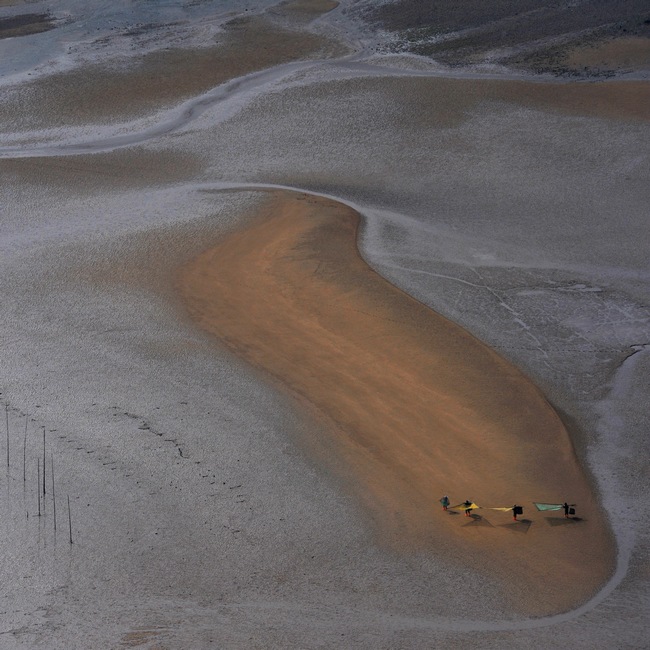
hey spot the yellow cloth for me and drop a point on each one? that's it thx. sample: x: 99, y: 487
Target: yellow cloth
x: 502, y: 509
x: 462, y: 506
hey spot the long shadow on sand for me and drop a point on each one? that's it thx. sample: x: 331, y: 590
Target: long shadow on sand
x: 476, y: 521
x: 520, y: 526
x: 561, y: 521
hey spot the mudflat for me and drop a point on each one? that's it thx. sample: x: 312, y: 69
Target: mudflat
x: 103, y: 92
x: 289, y: 497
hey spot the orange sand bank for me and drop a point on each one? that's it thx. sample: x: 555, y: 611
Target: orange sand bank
x: 416, y: 406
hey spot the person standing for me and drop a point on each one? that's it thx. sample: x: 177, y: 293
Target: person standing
x: 445, y: 502
x: 566, y: 510
x: 468, y: 508
x: 516, y: 510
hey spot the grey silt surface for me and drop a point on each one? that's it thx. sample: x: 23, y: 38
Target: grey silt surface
x: 198, y: 516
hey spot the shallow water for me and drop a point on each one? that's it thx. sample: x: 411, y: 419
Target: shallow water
x: 97, y: 29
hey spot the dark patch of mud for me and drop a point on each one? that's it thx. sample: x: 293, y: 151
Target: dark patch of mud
x: 25, y: 24
x: 535, y: 35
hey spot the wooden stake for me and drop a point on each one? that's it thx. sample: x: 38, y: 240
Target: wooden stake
x: 7, y: 418
x: 43, y: 460
x: 69, y: 519
x: 25, y: 451
x: 38, y: 486
x: 53, y: 493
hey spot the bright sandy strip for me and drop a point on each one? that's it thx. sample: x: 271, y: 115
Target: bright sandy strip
x: 418, y: 407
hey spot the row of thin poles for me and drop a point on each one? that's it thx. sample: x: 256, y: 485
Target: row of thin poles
x: 41, y: 475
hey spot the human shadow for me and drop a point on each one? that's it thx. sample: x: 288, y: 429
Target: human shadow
x: 477, y: 520
x: 519, y: 526
x: 452, y: 512
x: 562, y: 521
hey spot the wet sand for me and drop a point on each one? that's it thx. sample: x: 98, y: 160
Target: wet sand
x: 417, y: 407
x: 631, y: 53
x: 105, y: 92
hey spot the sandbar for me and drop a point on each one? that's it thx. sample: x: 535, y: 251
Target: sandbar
x: 416, y: 406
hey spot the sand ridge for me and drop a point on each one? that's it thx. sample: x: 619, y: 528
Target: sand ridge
x: 418, y: 407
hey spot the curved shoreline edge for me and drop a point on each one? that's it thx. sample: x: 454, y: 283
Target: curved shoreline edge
x: 291, y: 294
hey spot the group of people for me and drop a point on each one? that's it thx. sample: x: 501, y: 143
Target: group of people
x: 517, y: 510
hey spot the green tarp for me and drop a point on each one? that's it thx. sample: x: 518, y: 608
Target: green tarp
x: 548, y: 506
